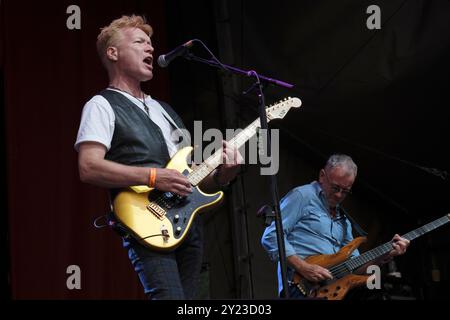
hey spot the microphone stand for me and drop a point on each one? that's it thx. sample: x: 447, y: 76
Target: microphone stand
x: 213, y: 63
x: 263, y: 119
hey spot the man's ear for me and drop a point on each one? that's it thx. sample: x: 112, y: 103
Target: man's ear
x: 112, y: 54
x: 321, y: 174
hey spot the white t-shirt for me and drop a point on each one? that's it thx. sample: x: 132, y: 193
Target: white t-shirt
x: 98, y: 121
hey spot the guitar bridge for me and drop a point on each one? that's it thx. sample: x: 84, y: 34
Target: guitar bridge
x: 157, y: 211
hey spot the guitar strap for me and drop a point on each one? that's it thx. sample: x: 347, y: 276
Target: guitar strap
x: 163, y: 106
x: 355, y: 225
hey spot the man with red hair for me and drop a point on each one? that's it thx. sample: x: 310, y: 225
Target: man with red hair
x: 126, y: 138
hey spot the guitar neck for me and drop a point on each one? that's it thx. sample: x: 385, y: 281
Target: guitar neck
x: 381, y: 250
x: 208, y: 166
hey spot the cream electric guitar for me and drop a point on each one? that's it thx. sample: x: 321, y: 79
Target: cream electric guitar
x: 161, y: 220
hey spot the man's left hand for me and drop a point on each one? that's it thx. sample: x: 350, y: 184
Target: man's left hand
x: 399, y: 245
x: 232, y: 159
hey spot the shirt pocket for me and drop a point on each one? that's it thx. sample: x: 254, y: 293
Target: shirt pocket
x: 317, y: 221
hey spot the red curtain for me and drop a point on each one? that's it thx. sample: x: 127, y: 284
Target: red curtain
x: 50, y: 72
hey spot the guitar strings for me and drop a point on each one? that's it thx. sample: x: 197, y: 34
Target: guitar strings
x: 342, y: 268
x: 339, y: 268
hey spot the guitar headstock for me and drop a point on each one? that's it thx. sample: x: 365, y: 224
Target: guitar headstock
x: 279, y: 110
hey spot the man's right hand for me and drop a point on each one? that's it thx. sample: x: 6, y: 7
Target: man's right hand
x: 173, y: 181
x: 314, y: 272
x: 311, y: 272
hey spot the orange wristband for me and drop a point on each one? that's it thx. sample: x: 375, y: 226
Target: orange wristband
x: 152, y: 178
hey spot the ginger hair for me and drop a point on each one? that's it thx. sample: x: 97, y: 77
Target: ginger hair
x: 110, y: 35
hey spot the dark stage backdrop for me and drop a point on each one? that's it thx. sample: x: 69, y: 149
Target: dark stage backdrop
x: 50, y: 72
x: 377, y: 94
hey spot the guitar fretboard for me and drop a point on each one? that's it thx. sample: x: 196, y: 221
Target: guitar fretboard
x: 204, y: 169
x: 381, y: 250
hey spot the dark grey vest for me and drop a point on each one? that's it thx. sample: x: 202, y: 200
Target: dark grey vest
x: 137, y: 140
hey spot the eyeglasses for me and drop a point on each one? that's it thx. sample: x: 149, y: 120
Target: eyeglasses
x: 335, y: 188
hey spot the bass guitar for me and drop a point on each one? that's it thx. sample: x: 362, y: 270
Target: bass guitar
x: 342, y: 267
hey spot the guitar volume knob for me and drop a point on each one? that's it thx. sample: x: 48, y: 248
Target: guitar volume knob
x: 176, y: 218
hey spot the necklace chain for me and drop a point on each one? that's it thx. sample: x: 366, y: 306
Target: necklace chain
x: 143, y: 98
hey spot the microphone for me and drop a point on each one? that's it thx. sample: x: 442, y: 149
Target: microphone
x: 165, y: 59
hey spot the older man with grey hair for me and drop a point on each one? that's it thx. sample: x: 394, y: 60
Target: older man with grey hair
x: 315, y: 224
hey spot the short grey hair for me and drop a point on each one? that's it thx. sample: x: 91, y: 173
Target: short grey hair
x: 343, y: 161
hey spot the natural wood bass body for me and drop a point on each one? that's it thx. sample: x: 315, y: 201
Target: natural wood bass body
x: 342, y: 266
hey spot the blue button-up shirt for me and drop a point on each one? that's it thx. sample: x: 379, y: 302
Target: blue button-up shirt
x: 308, y: 227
